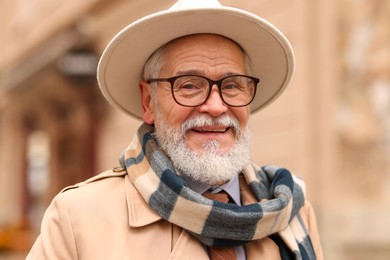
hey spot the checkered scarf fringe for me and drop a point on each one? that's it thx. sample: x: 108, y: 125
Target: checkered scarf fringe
x: 212, y: 222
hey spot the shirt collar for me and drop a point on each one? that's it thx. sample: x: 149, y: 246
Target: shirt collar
x: 232, y: 188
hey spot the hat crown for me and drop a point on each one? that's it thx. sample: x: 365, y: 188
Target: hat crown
x: 191, y: 4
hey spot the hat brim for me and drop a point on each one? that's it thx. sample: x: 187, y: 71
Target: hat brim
x: 121, y: 65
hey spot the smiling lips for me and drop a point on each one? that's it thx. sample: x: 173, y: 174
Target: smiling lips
x: 211, y: 129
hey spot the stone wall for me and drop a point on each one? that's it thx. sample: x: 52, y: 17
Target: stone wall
x: 361, y: 190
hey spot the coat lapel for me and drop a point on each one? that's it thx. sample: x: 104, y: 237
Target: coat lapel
x: 184, y: 246
x: 187, y: 247
x: 140, y: 213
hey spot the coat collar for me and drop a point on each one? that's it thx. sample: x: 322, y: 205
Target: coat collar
x: 139, y: 212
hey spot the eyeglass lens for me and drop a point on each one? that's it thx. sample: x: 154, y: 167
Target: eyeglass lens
x: 235, y: 90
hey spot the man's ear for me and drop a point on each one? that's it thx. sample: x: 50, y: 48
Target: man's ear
x: 146, y: 101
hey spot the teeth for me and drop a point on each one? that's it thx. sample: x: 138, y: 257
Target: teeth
x: 211, y: 131
x: 215, y: 131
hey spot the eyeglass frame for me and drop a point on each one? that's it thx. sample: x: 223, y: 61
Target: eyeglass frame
x: 211, y: 82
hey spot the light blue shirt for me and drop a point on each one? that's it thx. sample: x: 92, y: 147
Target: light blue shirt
x: 232, y: 188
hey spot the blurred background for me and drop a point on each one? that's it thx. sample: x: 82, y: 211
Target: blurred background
x: 331, y: 127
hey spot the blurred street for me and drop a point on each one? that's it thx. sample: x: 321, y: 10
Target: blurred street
x: 331, y: 127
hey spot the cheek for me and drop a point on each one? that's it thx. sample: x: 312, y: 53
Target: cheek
x: 177, y: 115
x: 172, y: 113
x: 242, y: 114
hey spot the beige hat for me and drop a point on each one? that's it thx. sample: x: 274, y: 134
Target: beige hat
x: 121, y: 65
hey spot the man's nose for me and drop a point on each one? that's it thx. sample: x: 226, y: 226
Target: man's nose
x: 214, y: 105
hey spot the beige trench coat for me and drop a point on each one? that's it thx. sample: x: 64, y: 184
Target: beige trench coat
x: 106, y: 218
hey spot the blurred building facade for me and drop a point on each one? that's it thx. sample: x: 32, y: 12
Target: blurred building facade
x: 330, y: 127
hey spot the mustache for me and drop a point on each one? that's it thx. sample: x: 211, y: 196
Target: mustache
x: 207, y: 120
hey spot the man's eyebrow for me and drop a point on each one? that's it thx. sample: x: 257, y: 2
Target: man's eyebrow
x: 189, y: 72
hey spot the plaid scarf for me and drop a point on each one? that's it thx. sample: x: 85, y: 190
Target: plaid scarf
x: 215, y: 223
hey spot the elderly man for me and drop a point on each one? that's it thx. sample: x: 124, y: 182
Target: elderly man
x: 186, y: 188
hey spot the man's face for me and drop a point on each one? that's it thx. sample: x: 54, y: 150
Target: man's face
x: 206, y: 55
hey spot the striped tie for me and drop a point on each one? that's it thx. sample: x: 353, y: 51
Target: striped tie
x: 221, y: 253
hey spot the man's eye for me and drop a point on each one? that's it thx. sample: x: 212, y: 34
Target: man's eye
x: 230, y: 86
x: 188, y: 86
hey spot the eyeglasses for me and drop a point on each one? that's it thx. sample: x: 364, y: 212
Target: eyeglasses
x: 194, y: 90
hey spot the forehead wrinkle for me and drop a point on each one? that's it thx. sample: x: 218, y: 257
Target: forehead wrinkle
x: 209, y: 65
x: 185, y: 56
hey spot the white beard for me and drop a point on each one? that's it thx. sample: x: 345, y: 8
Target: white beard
x: 210, y: 166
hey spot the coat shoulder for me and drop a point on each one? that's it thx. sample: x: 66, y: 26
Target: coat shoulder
x: 95, y: 195
x: 109, y: 175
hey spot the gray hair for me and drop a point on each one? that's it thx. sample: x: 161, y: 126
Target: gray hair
x: 155, y: 63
